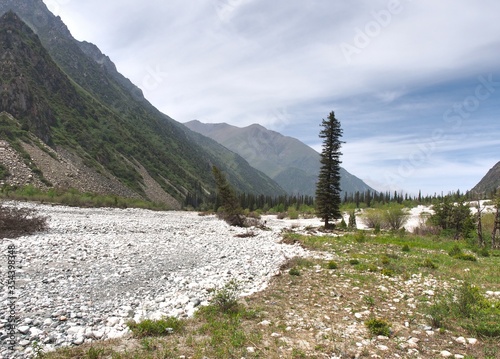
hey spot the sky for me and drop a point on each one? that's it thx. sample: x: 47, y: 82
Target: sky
x: 415, y: 84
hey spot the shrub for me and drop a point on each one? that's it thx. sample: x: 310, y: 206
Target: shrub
x: 352, y: 220
x: 378, y: 327
x: 456, y: 250
x: 353, y: 261
x: 428, y: 263
x: 455, y: 219
x: 226, y: 299
x: 16, y: 222
x: 4, y: 172
x: 373, y: 218
x: 396, y: 217
x: 293, y: 214
x: 484, y: 252
x: 332, y: 265
x: 405, y: 248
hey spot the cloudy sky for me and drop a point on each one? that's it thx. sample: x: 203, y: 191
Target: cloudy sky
x: 415, y: 83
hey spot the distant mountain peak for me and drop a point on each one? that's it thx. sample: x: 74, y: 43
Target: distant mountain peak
x: 288, y: 161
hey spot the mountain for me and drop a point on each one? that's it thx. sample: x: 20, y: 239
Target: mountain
x: 490, y: 183
x: 74, y: 121
x: 291, y: 163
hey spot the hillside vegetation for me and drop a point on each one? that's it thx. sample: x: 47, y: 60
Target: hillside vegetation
x: 59, y: 98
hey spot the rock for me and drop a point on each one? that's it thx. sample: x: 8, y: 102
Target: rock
x: 98, y: 334
x: 413, y: 343
x: 90, y: 281
x: 35, y: 332
x: 250, y: 350
x: 461, y: 340
x: 24, y: 343
x: 446, y: 354
x: 472, y: 341
x: 23, y: 329
x: 79, y: 340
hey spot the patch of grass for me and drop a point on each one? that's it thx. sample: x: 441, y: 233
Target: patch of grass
x: 405, y: 248
x: 354, y: 261
x: 387, y: 272
x: 294, y: 271
x: 225, y: 336
x: 378, y: 326
x: 95, y: 353
x: 161, y: 327
x: 466, y: 257
x: 385, y: 260
x: 369, y: 300
x: 360, y: 237
x: 428, y: 263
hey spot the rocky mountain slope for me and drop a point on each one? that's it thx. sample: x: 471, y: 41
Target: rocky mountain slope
x: 291, y: 163
x: 490, y: 183
x: 63, y: 101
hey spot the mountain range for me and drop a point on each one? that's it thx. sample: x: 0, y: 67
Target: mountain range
x: 291, y: 163
x: 71, y: 119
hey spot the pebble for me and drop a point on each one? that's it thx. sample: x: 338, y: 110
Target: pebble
x: 94, y: 269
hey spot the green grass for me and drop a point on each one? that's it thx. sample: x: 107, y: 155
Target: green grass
x: 161, y: 327
x: 223, y: 330
x: 75, y: 198
x: 466, y: 308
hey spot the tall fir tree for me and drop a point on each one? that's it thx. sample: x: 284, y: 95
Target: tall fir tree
x: 231, y: 211
x: 328, y: 187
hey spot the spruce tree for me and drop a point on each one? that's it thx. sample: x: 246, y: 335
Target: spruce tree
x: 328, y: 187
x: 231, y: 211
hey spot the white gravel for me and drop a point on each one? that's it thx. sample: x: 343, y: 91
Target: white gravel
x: 95, y: 269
